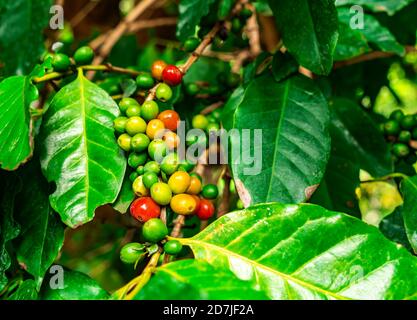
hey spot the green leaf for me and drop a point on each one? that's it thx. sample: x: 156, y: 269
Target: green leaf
x: 196, y: 280
x: 350, y: 43
x: 21, y: 34
x: 42, y: 232
x: 80, y: 153
x: 357, y: 143
x: 191, y: 13
x: 77, y: 286
x: 16, y: 126
x: 306, y: 252
x: 309, y: 29
x: 293, y: 117
x: 393, y: 228
x: 225, y: 7
x: 9, y: 228
x: 26, y: 291
x: 373, y: 32
x: 126, y: 196
x: 409, y: 209
x: 389, y: 6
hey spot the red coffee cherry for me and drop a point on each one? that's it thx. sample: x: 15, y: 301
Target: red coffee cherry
x: 172, y: 75
x: 145, y: 209
x: 205, y: 210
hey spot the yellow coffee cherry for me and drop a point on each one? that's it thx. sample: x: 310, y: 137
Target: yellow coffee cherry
x: 183, y: 204
x: 179, y: 182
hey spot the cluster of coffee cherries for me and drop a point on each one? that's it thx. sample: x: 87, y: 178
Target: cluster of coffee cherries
x: 159, y: 177
x: 401, y: 130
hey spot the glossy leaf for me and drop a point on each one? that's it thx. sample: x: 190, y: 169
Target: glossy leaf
x: 393, y: 228
x: 306, y: 252
x: 77, y: 286
x: 409, y: 209
x: 80, y: 153
x: 373, y: 32
x: 389, y: 6
x: 16, y: 126
x: 21, y: 34
x: 295, y: 146
x: 283, y: 66
x: 42, y: 232
x: 196, y: 280
x: 309, y: 30
x: 191, y: 13
x: 9, y: 228
x: 26, y: 291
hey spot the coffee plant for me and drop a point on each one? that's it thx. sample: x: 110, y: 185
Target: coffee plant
x: 218, y: 149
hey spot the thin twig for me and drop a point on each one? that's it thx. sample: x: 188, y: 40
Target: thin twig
x: 252, y: 30
x: 225, y: 201
x: 212, y: 108
x: 83, y: 13
x: 178, y: 224
x: 121, y: 28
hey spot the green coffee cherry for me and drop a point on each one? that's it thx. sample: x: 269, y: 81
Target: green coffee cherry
x: 137, y: 159
x: 191, y: 44
x: 135, y: 125
x: 154, y: 230
x: 170, y: 164
x: 140, y: 142
x: 164, y: 92
x: 133, y: 176
x: 61, y: 62
x: 400, y: 150
x: 392, y: 127
x: 161, y: 193
x: 149, y: 179
x: 152, y: 166
x: 192, y: 89
x: 120, y: 124
x: 173, y: 247
x: 133, y: 111
x: 408, y: 122
x: 150, y: 110
x: 200, y: 122
x: 145, y: 81
x: 210, y: 192
x: 132, y: 252
x: 84, y: 55
x: 397, y: 115
x: 404, y: 136
x: 126, y: 103
x: 157, y: 150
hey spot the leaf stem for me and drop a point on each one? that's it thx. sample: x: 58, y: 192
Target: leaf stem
x: 387, y: 177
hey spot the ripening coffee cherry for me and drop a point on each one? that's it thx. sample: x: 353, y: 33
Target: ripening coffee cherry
x: 157, y: 69
x: 140, y: 142
x: 120, y: 124
x: 170, y: 164
x: 404, y: 136
x: 133, y: 111
x: 397, y: 115
x: 135, y: 125
x: 152, y: 166
x: 392, y: 127
x: 137, y: 159
x: 132, y: 252
x: 183, y: 204
x: 84, y: 55
x: 191, y: 44
x: 200, y: 122
x: 164, y: 92
x: 145, y: 81
x: 170, y: 118
x: 157, y: 150
x: 172, y: 75
x: 150, y: 110
x: 154, y: 230
x: 145, y: 209
x: 61, y: 62
x: 139, y: 188
x: 171, y: 139
x: 173, y: 247
x: 161, y: 193
x: 206, y: 210
x: 210, y: 192
x: 195, y: 186
x: 179, y: 182
x: 408, y: 122
x: 400, y: 150
x: 124, y: 142
x: 155, y: 128
x: 149, y: 179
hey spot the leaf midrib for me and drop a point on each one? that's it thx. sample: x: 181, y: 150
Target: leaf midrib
x: 287, y: 277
